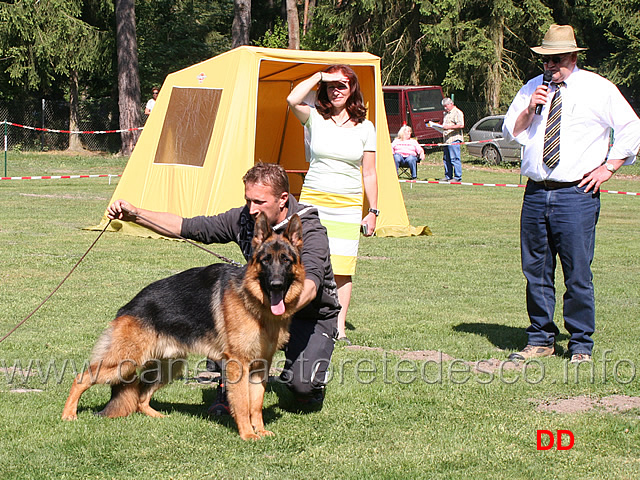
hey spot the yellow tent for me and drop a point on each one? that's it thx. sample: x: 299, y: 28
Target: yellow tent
x: 212, y: 121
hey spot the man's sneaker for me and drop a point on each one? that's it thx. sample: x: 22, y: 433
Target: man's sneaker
x: 532, y: 351
x: 580, y: 357
x: 221, y: 406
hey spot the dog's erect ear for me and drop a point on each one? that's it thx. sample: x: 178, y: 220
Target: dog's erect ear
x: 294, y: 231
x: 261, y: 231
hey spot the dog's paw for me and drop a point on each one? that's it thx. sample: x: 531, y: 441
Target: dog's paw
x: 69, y: 416
x: 250, y: 436
x: 265, y: 433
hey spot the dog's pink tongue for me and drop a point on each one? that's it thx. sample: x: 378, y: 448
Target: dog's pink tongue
x: 277, y: 303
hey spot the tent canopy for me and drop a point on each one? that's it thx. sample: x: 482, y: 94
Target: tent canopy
x: 214, y: 120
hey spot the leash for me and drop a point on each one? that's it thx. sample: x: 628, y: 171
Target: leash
x: 225, y: 259
x: 160, y: 227
x: 59, y: 285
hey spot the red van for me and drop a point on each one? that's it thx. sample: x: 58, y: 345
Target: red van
x: 414, y: 106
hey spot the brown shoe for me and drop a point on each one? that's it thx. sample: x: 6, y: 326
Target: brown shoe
x: 580, y: 357
x: 532, y: 351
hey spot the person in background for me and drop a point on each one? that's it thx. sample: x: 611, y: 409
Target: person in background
x: 152, y: 101
x: 342, y: 141
x: 567, y: 157
x: 407, y: 152
x: 453, y: 123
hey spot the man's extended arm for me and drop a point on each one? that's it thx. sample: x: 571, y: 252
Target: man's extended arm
x: 169, y: 224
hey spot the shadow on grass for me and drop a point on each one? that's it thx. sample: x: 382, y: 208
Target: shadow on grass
x: 502, y: 336
x: 209, y: 396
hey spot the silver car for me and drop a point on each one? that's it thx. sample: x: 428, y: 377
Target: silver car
x: 494, y: 149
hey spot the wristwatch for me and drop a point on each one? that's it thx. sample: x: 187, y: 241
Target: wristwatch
x: 374, y: 211
x: 609, y: 167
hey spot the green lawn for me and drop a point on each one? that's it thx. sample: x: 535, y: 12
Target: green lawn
x: 393, y: 409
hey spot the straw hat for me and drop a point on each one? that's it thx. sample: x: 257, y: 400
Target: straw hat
x: 558, y: 39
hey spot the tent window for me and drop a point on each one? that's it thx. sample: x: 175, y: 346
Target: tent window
x: 188, y: 125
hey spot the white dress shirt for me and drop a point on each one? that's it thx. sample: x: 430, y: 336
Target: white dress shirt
x: 592, y: 107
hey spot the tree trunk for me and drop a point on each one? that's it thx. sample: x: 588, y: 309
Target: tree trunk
x: 74, y: 139
x: 309, y: 9
x: 414, y: 30
x: 128, y: 77
x: 241, y: 22
x: 294, y: 24
x: 305, y: 18
x: 494, y: 74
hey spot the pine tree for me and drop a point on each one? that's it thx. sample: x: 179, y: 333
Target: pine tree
x: 622, y: 21
x: 44, y: 42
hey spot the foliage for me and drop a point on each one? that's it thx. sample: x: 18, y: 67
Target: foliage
x: 622, y: 21
x: 453, y: 43
x: 278, y: 37
x: 42, y: 42
x: 173, y: 35
x: 477, y: 49
x: 390, y: 30
x: 483, y: 55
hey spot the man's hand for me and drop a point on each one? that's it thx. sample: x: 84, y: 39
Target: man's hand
x: 598, y: 176
x: 526, y: 117
x: 122, y: 210
x: 539, y: 97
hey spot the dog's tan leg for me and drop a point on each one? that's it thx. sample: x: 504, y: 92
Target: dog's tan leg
x: 237, y: 373
x: 97, y: 373
x: 257, y: 386
x: 145, y: 397
x: 154, y: 379
x: 80, y: 385
x: 117, y: 354
x: 256, y: 394
x: 124, y: 400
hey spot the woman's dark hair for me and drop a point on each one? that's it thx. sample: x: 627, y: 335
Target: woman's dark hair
x: 355, y: 103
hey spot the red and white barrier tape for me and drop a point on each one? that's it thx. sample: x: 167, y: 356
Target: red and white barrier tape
x: 49, y: 130
x: 59, y: 177
x: 511, y: 185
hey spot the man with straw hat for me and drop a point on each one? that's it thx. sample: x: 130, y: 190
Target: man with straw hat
x: 565, y: 119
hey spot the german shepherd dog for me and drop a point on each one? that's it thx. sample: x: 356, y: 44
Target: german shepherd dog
x: 239, y: 315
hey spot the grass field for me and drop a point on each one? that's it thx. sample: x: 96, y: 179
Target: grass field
x: 423, y: 393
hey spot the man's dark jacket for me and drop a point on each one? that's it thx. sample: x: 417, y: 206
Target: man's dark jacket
x: 236, y: 225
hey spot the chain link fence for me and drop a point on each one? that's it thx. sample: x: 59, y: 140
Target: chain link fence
x: 93, y: 115
x: 473, y: 111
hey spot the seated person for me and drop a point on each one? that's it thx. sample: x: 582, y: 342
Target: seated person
x: 407, y: 151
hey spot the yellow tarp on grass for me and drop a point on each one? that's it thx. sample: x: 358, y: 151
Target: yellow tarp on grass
x: 212, y: 121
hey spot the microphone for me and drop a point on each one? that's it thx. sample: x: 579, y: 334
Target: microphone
x: 546, y: 78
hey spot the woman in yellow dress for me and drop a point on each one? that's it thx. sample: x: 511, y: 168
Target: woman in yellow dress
x: 342, y: 142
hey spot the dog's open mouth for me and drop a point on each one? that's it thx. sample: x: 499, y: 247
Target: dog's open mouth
x: 277, y: 302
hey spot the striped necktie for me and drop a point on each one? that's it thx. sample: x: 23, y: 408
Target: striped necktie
x: 551, y: 153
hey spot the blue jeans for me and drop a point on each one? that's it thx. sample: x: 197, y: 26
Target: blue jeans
x: 559, y: 223
x: 411, y: 161
x: 452, y: 163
